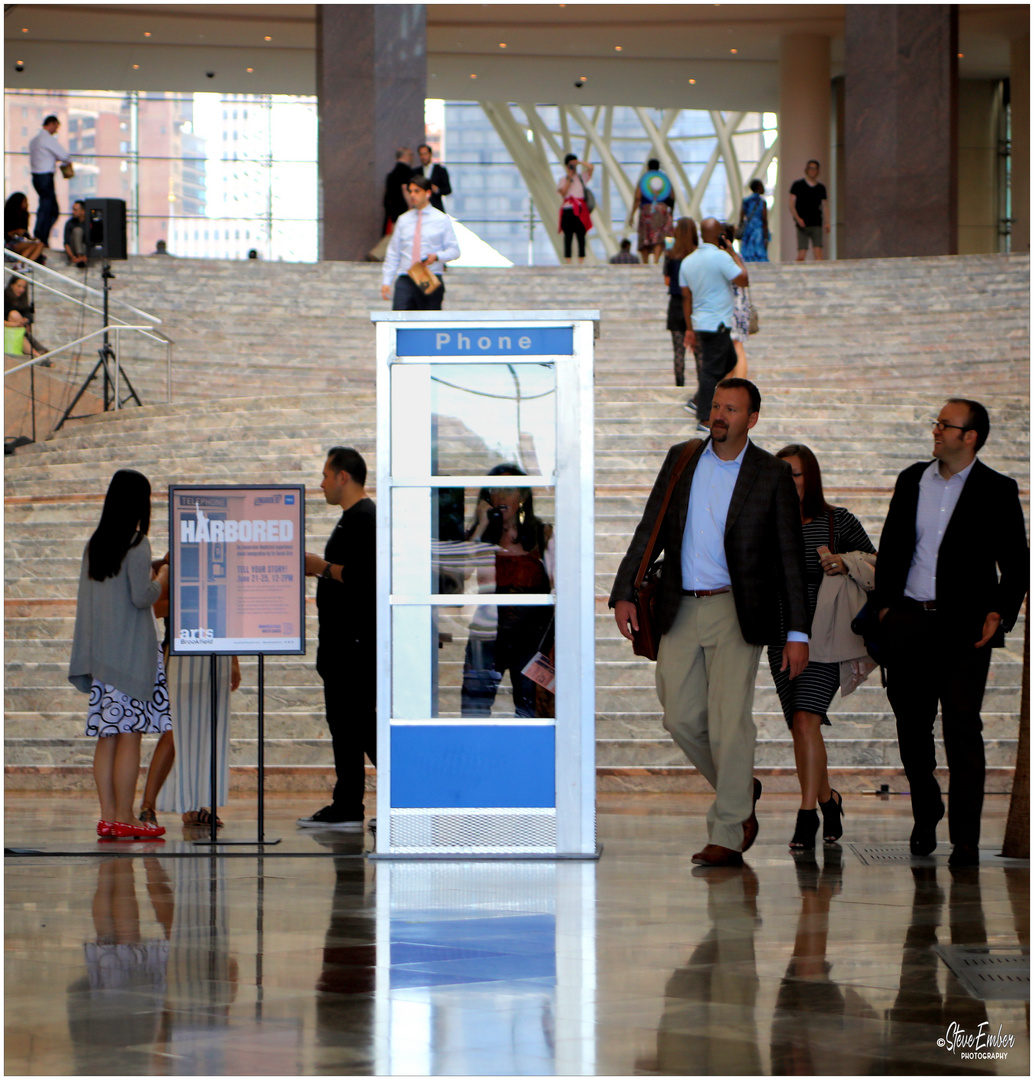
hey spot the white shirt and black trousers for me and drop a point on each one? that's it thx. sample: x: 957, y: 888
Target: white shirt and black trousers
x: 417, y: 234
x: 951, y: 552
x: 45, y: 154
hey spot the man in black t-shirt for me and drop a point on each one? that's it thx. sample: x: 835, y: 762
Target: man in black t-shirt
x: 346, y: 659
x: 807, y: 208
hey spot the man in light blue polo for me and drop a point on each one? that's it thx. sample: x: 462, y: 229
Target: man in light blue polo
x: 706, y: 278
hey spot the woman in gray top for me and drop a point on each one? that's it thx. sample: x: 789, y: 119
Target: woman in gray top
x: 115, y: 654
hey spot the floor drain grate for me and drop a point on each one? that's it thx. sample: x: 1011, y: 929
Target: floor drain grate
x: 991, y: 973
x: 881, y: 854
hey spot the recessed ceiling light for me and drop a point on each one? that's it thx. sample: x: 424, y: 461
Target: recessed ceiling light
x: 25, y: 29
x: 961, y: 55
x: 268, y: 38
x: 693, y: 81
x: 502, y: 44
x: 617, y: 48
x: 147, y: 33
x: 473, y: 76
x: 249, y: 70
x: 136, y: 67
x: 734, y: 50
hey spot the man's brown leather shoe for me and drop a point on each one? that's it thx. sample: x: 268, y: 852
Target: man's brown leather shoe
x: 716, y: 855
x: 750, y: 826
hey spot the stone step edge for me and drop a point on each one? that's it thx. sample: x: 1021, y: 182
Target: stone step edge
x: 289, y: 779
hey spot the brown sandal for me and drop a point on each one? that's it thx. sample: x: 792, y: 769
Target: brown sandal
x: 201, y: 817
x: 147, y: 815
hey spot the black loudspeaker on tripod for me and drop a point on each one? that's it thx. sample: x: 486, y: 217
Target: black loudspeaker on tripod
x: 106, y: 228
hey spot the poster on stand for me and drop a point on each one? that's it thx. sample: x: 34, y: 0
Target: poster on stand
x: 237, y: 557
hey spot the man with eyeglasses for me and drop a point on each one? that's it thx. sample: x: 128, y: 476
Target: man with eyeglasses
x: 953, y: 570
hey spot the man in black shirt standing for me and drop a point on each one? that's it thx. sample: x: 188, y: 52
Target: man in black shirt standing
x: 346, y: 659
x: 807, y: 205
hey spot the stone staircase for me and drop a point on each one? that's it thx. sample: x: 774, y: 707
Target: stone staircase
x: 274, y: 363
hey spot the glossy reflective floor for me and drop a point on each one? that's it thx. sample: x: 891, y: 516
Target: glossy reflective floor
x: 314, y: 960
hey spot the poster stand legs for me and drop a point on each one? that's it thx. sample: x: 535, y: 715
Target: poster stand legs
x: 214, y: 772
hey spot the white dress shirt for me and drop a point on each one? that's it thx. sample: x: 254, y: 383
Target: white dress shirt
x: 45, y: 152
x: 436, y: 238
x: 937, y: 500
x: 704, y: 565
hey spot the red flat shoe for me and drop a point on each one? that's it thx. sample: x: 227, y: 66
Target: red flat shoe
x: 141, y: 830
x: 104, y: 828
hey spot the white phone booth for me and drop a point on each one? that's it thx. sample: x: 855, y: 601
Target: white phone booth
x: 485, y: 585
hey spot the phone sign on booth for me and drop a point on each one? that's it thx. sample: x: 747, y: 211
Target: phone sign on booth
x: 238, y: 569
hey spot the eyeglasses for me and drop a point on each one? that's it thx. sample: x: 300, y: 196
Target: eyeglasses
x: 940, y: 425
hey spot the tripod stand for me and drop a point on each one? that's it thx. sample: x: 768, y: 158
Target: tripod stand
x: 106, y: 354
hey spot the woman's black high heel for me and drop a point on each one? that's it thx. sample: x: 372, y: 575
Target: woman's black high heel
x: 832, y: 817
x: 807, y: 827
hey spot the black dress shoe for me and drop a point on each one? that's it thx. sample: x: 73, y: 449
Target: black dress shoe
x: 964, y: 855
x: 924, y: 835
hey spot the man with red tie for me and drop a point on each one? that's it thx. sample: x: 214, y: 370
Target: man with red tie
x: 423, y: 238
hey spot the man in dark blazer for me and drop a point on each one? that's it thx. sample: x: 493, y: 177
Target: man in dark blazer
x: 733, y: 556
x: 953, y: 524
x: 437, y: 174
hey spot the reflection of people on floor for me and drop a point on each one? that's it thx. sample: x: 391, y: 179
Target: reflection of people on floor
x: 708, y: 1026
x: 920, y: 1014
x: 506, y: 638
x: 347, y: 980
x: 118, y: 1002
x: 818, y: 1026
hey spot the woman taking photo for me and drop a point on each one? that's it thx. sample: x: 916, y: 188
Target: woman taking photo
x: 115, y: 655
x: 686, y: 242
x: 506, y: 638
x: 829, y: 531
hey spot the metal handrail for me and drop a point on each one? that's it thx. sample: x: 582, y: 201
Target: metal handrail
x: 37, y: 267
x: 78, y: 341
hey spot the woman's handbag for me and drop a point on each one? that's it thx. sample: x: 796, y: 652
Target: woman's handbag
x: 753, y: 323
x: 647, y: 582
x: 425, y: 281
x: 590, y: 199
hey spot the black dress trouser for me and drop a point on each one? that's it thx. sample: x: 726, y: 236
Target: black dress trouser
x: 717, y: 359
x: 350, y: 696
x: 931, y: 661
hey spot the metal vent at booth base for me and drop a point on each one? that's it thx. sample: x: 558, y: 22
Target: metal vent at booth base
x: 478, y: 830
x: 990, y: 972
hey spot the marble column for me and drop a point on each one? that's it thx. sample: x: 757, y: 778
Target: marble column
x: 371, y: 78
x: 1019, y: 94
x: 901, y: 130
x: 804, y: 115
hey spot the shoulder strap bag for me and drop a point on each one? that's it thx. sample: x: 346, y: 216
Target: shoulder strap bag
x: 648, y: 580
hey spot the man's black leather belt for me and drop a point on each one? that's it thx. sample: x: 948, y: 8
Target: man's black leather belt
x: 927, y: 605
x: 705, y: 592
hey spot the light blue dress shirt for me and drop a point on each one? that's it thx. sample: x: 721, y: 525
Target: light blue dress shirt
x: 704, y: 565
x: 437, y: 237
x: 707, y: 273
x: 937, y: 500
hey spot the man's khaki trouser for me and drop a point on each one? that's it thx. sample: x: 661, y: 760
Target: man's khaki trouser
x: 705, y: 680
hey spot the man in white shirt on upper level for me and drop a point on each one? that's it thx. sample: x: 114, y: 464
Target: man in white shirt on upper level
x: 45, y: 154
x: 421, y: 235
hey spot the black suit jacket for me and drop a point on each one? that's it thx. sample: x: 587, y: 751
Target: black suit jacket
x: 440, y: 178
x: 764, y: 546
x: 986, y: 534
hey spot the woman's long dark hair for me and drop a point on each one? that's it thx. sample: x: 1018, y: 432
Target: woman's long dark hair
x: 814, y: 502
x: 125, y: 519
x: 529, y: 528
x: 686, y: 240
x: 16, y: 216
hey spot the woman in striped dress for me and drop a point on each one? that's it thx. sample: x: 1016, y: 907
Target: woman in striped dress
x: 828, y: 530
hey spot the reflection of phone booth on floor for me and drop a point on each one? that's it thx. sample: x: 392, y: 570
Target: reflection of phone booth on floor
x: 476, y: 758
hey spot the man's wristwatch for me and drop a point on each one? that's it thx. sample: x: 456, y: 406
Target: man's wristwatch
x: 326, y: 573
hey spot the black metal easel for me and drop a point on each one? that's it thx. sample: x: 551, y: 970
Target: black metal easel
x: 214, y: 764
x: 105, y: 354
